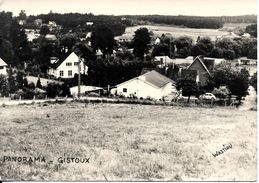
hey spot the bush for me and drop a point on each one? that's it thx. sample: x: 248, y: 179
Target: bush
x: 28, y: 93
x: 54, y: 90
x: 221, y: 92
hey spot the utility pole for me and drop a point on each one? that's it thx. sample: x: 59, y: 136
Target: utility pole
x: 79, y: 77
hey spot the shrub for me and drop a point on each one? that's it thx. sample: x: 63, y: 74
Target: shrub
x: 221, y: 92
x: 28, y: 93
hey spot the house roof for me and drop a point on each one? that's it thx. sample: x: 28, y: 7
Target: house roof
x: 152, y: 78
x: 2, y: 63
x: 157, y: 79
x: 61, y: 60
x: 198, y: 59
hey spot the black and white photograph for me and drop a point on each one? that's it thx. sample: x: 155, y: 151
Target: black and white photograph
x: 128, y: 90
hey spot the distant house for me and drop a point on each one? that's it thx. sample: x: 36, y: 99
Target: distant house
x: 51, y: 37
x: 157, y: 41
x: 183, y: 61
x: 149, y: 85
x: 3, y: 67
x: 124, y: 38
x: 99, y: 53
x: 67, y: 68
x: 89, y: 23
x: 202, y: 68
x: 163, y: 60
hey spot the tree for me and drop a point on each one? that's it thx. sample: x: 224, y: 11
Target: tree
x: 236, y: 81
x: 252, y: 29
x: 253, y: 81
x: 44, y: 30
x: 216, y: 53
x: 22, y: 15
x: 161, y: 49
x: 103, y: 38
x: 205, y: 44
x: 38, y: 84
x: 239, y: 83
x: 189, y: 87
x: 141, y: 42
x: 183, y: 45
x: 4, y: 88
x: 68, y: 41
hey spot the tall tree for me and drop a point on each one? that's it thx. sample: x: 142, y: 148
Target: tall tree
x: 141, y: 42
x: 103, y: 38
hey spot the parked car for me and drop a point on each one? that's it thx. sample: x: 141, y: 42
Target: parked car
x: 207, y: 96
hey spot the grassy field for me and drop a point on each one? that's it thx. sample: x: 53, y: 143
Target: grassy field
x: 177, y: 31
x: 128, y: 142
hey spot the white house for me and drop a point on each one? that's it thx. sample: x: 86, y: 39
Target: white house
x: 149, y: 85
x: 163, y: 60
x: 3, y: 66
x: 68, y: 67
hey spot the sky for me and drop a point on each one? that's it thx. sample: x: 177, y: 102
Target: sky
x: 133, y: 7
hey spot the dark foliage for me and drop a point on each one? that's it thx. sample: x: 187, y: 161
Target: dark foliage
x: 141, y: 42
x: 252, y: 29
x: 103, y: 38
x: 253, y: 81
x: 188, y: 87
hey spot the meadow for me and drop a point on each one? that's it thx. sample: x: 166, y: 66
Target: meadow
x: 128, y: 142
x: 177, y: 31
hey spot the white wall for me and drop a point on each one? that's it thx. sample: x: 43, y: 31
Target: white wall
x: 72, y: 58
x: 144, y: 90
x: 3, y: 71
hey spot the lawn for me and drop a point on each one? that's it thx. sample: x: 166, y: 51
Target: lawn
x: 128, y: 142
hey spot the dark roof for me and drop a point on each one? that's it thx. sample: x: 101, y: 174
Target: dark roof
x: 156, y: 79
x: 152, y: 78
x: 199, y: 59
x: 61, y: 59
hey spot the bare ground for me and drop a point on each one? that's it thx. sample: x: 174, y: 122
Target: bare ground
x: 128, y: 142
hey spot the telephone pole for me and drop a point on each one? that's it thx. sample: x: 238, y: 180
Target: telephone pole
x: 79, y: 77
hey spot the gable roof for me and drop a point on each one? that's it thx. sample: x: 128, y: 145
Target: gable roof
x: 61, y: 60
x: 2, y: 63
x: 198, y: 59
x: 152, y: 78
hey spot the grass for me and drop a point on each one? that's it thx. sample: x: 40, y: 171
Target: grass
x: 128, y: 142
x: 177, y: 31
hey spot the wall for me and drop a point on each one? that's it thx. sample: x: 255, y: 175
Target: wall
x: 3, y: 70
x: 144, y: 90
x: 202, y: 74
x: 74, y: 68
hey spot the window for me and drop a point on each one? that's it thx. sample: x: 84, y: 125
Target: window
x: 75, y: 63
x: 125, y: 90
x: 1, y: 67
x: 69, y: 73
x: 61, y: 73
x: 68, y: 64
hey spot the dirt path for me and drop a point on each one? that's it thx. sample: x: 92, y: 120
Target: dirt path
x: 250, y: 100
